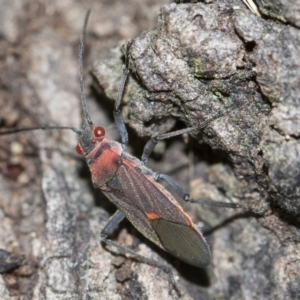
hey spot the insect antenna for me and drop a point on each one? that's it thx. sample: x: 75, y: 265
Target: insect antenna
x: 10, y: 131
x: 80, y: 63
x: 82, y: 94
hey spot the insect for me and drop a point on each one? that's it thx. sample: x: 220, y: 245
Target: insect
x: 135, y: 189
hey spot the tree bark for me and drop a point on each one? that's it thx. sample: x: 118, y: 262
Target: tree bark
x: 199, y: 60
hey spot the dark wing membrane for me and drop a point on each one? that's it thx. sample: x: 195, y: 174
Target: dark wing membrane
x: 183, y: 242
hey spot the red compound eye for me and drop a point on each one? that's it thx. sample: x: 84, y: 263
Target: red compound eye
x: 99, y: 132
x: 79, y: 149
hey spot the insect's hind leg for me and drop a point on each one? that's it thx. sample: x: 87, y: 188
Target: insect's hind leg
x: 111, y: 226
x: 186, y: 196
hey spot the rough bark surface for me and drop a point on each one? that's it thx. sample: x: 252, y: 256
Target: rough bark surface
x: 204, y: 59
x: 198, y: 60
x: 283, y: 10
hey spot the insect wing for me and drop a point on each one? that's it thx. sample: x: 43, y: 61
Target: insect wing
x: 182, y: 241
x: 156, y: 214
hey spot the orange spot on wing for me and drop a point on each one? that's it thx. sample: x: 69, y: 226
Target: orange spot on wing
x: 152, y: 216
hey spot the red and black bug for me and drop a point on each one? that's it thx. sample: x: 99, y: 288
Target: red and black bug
x: 135, y: 189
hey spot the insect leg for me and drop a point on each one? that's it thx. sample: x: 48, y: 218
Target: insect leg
x: 113, y: 223
x: 111, y: 226
x: 153, y: 141
x: 186, y: 196
x: 117, y: 112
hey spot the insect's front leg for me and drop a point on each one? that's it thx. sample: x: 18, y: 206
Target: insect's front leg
x: 117, y: 112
